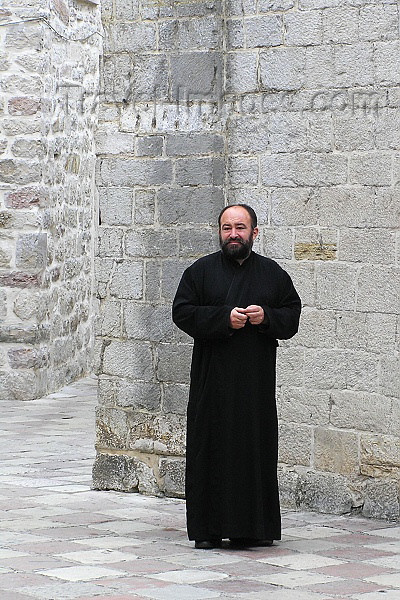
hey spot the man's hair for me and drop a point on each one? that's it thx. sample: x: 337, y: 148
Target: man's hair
x: 253, y: 216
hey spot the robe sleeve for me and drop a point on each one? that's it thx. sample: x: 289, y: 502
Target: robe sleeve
x: 199, y: 321
x: 282, y: 321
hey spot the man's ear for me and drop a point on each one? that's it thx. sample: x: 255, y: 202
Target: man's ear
x: 255, y: 232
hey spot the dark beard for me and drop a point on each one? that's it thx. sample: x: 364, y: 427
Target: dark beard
x: 236, y: 252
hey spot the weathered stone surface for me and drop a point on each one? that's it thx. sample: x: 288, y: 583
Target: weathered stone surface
x: 123, y: 473
x: 336, y: 451
x: 381, y: 499
x: 326, y: 492
x: 173, y: 473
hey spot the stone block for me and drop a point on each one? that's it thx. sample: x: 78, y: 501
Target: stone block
x: 295, y: 444
x: 199, y: 34
x: 190, y: 205
x: 115, y: 143
x: 149, y: 78
x: 325, y: 369
x: 115, y: 206
x: 372, y: 246
x: 320, y: 133
x: 317, y: 329
x: 360, y: 410
x: 167, y: 35
x: 287, y: 132
x: 109, y: 242
x: 149, y: 145
x: 173, y: 363
x: 390, y: 369
x: 335, y: 286
x: 124, y: 9
x: 28, y: 358
x: 354, y: 65
x: 116, y: 78
x: 175, y: 398
x: 379, y: 451
x: 20, y: 385
x: 258, y: 198
x: 200, y: 171
x: 152, y: 288
x: 127, y: 280
x: 387, y: 63
x: 303, y: 276
x: 315, y: 244
x: 290, y: 366
x: 243, y: 171
x: 234, y: 34
x: 25, y: 305
x: 156, y: 434
x: 381, y: 499
x: 282, y: 69
x: 19, y: 171
x: 299, y: 405
x: 241, y: 72
x: 378, y: 22
x: 24, y: 35
x: 265, y: 31
x: 172, y: 470
x: 196, y: 76
x: 27, y: 198
x: 373, y: 168
x: 278, y: 242
x: 123, y: 473
x: 102, y: 271
x: 23, y: 105
x: 130, y: 37
x: 152, y: 323
x: 109, y: 319
x: 247, y: 134
x: 293, y: 207
x: 341, y: 25
x: 362, y: 206
x: 272, y: 5
x: 354, y: 132
x: 181, y: 144
x: 303, y: 28
x: 387, y: 128
x: 31, y: 251
x: 128, y: 359
x: 24, y: 148
x: 196, y: 243
x: 241, y: 7
x: 144, y: 211
x: 288, y: 487
x: 289, y: 170
x: 151, y: 243
x: 319, y: 72
x: 326, y: 492
x: 130, y: 172
x: 336, y: 451
x: 139, y: 395
x: 379, y: 289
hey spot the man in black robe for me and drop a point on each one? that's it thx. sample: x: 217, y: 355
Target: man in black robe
x: 235, y: 304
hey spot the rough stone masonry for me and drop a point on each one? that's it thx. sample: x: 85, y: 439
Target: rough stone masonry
x: 292, y: 106
x: 49, y: 65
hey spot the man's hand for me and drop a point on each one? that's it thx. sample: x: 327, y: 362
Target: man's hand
x: 255, y: 314
x: 238, y: 318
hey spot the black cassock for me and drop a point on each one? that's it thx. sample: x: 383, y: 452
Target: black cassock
x: 232, y: 430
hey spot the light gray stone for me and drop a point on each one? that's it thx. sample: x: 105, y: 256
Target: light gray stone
x: 282, y: 69
x: 127, y: 280
x: 190, y: 204
x: 173, y: 362
x: 129, y: 359
x: 303, y: 28
x: 263, y: 31
x: 196, y: 76
x: 241, y: 69
x: 172, y: 470
x: 152, y: 323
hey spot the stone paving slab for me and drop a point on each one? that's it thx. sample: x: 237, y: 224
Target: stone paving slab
x: 60, y: 540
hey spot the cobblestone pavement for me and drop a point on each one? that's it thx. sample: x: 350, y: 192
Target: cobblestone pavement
x: 59, y: 539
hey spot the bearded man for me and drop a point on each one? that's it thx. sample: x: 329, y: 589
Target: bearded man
x: 235, y: 304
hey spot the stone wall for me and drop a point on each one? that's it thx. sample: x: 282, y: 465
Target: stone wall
x: 49, y: 63
x: 293, y: 108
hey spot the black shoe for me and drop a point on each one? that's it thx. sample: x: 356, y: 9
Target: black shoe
x: 249, y: 542
x: 207, y: 544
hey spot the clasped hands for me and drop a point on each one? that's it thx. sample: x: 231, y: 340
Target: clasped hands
x: 239, y: 316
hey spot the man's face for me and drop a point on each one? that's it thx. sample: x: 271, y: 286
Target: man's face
x: 236, y: 235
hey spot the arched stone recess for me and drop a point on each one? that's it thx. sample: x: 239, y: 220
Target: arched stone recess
x: 293, y: 108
